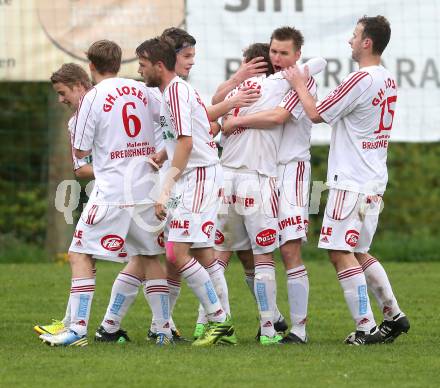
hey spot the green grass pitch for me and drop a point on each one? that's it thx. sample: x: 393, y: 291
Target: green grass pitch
x: 35, y: 293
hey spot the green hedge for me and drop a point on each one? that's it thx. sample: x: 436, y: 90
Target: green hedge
x: 408, y: 227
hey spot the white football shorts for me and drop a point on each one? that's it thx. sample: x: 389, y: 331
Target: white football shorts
x: 116, y: 233
x: 350, y: 221
x: 294, y: 187
x: 248, y: 214
x: 193, y: 206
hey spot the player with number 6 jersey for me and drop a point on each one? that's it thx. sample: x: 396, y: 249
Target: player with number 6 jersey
x: 117, y: 121
x: 109, y: 123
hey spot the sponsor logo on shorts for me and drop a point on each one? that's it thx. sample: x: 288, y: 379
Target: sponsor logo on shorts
x: 326, y: 231
x: 219, y: 237
x: 299, y: 228
x: 161, y: 240
x: 324, y: 240
x: 266, y: 237
x: 207, y: 228
x: 78, y: 243
x: 78, y: 234
x: 352, y: 237
x: 291, y: 221
x: 112, y: 242
x: 244, y: 201
x: 179, y: 224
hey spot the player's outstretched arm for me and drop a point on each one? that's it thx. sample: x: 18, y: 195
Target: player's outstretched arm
x: 298, y: 80
x: 266, y: 119
x: 243, y: 97
x: 254, y: 67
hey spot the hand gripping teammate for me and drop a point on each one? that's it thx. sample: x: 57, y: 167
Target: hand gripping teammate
x: 184, y: 45
x: 190, y: 189
x: 115, y: 121
x: 283, y: 110
x: 360, y: 111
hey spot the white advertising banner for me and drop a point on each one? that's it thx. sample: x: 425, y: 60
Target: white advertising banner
x: 37, y: 36
x: 224, y: 28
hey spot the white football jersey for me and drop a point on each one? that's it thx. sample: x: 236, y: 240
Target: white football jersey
x: 295, y: 141
x: 116, y: 120
x: 183, y: 113
x: 256, y: 149
x: 361, y: 111
x: 77, y: 163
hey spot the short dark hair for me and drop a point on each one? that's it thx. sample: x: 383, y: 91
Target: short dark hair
x: 259, y: 50
x: 378, y: 29
x: 158, y: 49
x: 289, y: 33
x: 106, y: 56
x: 178, y: 38
x: 71, y: 74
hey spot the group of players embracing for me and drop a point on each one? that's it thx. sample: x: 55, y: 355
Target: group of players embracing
x: 160, y: 186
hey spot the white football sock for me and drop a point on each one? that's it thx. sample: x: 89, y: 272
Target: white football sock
x: 202, y: 318
x: 175, y: 287
x: 66, y: 319
x: 81, y: 296
x: 200, y: 283
x: 298, y: 295
x: 223, y: 264
x: 158, y: 295
x: 124, y: 291
x: 379, y: 284
x: 249, y: 277
x: 265, y: 292
x: 217, y: 275
x: 354, y: 285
